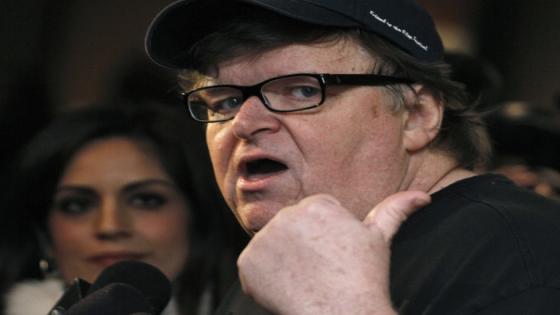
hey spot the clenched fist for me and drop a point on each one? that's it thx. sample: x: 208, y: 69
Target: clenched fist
x: 316, y: 257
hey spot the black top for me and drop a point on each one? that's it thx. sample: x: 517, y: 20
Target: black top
x: 483, y: 246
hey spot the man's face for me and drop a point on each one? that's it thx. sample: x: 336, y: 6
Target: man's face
x: 350, y: 147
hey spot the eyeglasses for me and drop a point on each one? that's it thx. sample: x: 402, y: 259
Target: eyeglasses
x: 288, y: 93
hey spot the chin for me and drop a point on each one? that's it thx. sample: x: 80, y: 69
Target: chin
x: 252, y: 226
x: 254, y: 220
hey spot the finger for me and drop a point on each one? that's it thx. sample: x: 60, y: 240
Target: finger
x: 242, y: 267
x: 390, y: 213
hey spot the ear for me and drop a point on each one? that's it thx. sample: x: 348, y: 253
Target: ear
x: 423, y: 118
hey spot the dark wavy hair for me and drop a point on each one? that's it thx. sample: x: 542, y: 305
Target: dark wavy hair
x: 252, y: 31
x: 214, y: 237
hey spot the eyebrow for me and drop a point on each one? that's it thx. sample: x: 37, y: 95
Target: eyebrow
x: 84, y: 189
x: 76, y: 189
x: 150, y: 182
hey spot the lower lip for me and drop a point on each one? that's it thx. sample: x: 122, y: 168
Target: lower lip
x: 105, y: 261
x: 259, y: 182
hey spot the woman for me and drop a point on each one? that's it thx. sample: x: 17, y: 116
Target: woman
x: 114, y: 183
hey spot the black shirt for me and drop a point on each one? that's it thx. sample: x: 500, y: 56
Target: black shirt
x: 482, y: 246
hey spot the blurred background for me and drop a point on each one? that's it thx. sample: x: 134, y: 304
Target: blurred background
x: 59, y: 55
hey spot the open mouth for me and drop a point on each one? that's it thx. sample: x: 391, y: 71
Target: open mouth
x: 264, y: 167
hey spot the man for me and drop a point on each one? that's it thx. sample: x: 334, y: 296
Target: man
x: 328, y: 123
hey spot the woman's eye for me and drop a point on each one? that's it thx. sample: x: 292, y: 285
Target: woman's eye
x: 74, y: 205
x: 147, y: 200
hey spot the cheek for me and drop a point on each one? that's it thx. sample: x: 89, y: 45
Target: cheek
x: 67, y: 236
x: 220, y: 146
x: 70, y: 242
x: 360, y: 153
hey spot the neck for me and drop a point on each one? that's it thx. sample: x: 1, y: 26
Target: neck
x: 435, y: 171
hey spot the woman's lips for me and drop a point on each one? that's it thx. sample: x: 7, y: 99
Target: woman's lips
x: 107, y: 259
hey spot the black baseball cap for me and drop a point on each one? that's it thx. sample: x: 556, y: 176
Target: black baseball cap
x: 403, y: 22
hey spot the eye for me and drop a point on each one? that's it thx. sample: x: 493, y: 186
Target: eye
x: 74, y: 205
x: 147, y: 200
x: 299, y: 88
x: 305, y: 91
x: 216, y: 100
x: 226, y: 105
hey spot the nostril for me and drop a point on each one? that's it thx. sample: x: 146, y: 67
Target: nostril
x: 112, y: 235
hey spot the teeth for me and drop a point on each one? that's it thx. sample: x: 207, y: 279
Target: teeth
x: 264, y: 166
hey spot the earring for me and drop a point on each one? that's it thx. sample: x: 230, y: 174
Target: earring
x: 47, y: 267
x: 44, y: 266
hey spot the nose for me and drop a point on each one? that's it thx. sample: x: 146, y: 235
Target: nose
x: 113, y: 221
x: 254, y: 118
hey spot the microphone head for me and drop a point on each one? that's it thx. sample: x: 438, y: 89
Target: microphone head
x: 113, y: 299
x: 147, y: 279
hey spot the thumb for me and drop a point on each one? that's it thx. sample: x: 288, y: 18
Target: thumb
x: 389, y: 214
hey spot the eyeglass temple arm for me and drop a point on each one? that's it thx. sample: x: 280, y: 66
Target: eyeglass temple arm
x: 363, y: 79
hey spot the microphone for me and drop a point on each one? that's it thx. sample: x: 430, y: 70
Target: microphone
x: 147, y: 279
x: 131, y: 281
x: 113, y: 299
x: 75, y: 292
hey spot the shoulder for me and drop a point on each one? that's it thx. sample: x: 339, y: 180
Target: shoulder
x: 480, y: 241
x: 490, y: 212
x: 34, y: 297
x: 493, y: 206
x: 494, y: 201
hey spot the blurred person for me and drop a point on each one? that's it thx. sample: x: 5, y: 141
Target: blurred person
x: 106, y: 184
x: 328, y: 124
x: 543, y: 180
x: 526, y: 138
x: 516, y: 128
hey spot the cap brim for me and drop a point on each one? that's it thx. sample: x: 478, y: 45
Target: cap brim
x: 184, y: 22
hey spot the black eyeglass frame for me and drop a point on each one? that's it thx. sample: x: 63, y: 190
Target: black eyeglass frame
x: 324, y: 79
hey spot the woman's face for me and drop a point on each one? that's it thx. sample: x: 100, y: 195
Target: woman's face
x: 115, y: 202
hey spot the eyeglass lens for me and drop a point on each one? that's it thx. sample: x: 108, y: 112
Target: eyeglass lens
x: 289, y: 93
